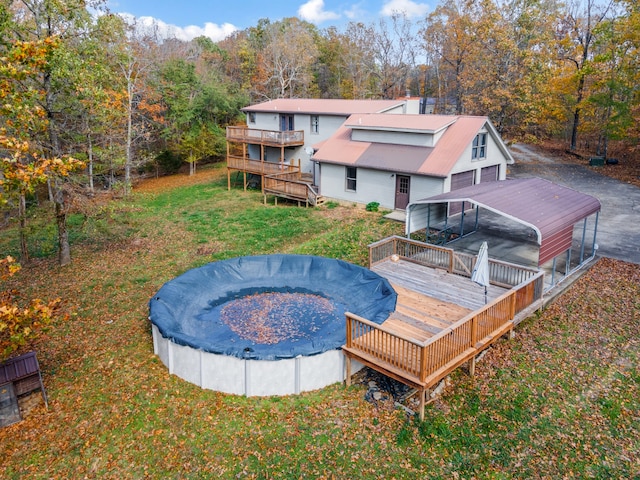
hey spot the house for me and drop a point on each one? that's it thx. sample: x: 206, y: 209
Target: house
x: 283, y: 131
x: 385, y: 151
x: 397, y: 159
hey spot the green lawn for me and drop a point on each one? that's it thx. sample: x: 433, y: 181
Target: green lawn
x: 562, y: 399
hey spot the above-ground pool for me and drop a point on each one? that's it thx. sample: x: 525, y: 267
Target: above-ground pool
x: 264, y: 325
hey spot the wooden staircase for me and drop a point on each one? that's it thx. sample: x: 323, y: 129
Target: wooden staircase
x: 293, y: 186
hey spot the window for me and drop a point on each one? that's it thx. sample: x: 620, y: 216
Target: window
x: 315, y: 123
x: 286, y: 123
x: 403, y: 184
x: 252, y: 117
x: 479, y: 146
x: 351, y: 178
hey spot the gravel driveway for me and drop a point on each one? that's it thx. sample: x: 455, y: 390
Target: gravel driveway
x: 619, y: 221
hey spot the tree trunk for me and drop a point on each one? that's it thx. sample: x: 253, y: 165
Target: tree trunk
x: 90, y: 164
x: 22, y: 215
x: 64, y: 251
x: 576, y: 115
x: 129, y: 140
x: 127, y: 164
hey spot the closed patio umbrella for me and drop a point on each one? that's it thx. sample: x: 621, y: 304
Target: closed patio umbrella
x: 480, y: 273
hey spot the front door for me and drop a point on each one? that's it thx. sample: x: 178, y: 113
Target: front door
x: 403, y: 183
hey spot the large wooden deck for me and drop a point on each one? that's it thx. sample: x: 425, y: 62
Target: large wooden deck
x: 442, y: 319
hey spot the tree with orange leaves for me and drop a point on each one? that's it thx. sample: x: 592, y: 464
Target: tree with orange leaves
x: 23, y: 165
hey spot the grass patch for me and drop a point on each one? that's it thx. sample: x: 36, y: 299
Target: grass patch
x: 560, y: 400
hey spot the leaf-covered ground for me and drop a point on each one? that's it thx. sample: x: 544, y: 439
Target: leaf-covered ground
x: 561, y: 400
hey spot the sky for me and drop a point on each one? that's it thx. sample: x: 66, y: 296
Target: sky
x: 217, y: 19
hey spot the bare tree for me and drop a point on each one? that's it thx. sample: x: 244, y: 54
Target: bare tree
x: 290, y: 52
x: 395, y: 52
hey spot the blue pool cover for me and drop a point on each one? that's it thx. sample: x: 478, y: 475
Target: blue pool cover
x: 190, y: 309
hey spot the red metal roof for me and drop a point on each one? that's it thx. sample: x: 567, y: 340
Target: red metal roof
x: 550, y: 209
x: 457, y: 133
x: 403, y: 123
x: 324, y: 106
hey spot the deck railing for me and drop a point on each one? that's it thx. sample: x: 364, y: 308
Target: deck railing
x: 500, y: 273
x: 258, y: 167
x: 426, y: 363
x: 395, y: 351
x: 423, y: 364
x: 265, y: 137
x: 290, y: 185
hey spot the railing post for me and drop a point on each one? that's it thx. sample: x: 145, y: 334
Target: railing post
x: 423, y: 363
x: 474, y: 331
x: 349, y: 331
x: 512, y: 306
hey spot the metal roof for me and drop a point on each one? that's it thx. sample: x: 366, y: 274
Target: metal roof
x: 548, y: 208
x: 457, y: 133
x: 325, y: 106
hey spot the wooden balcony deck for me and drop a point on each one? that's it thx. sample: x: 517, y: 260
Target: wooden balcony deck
x: 271, y: 138
x: 441, y: 319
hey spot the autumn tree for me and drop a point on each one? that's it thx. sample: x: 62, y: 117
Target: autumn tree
x: 394, y: 54
x: 63, y: 24
x: 510, y: 75
x: 290, y: 51
x: 576, y: 36
x: 24, y: 161
x: 451, y: 43
x: 610, y: 101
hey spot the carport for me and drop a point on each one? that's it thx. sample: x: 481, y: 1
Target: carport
x: 561, y: 219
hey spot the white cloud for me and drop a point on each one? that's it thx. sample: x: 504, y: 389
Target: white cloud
x: 164, y: 30
x: 313, y: 11
x: 408, y: 7
x: 355, y: 12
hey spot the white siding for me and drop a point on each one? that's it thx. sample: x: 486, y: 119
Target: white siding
x: 327, y: 125
x: 392, y: 137
x: 373, y: 186
x: 494, y: 157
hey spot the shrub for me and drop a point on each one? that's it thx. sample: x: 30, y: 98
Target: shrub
x: 372, y: 206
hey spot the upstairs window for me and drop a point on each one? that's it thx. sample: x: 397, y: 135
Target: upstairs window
x: 315, y: 124
x: 479, y: 149
x: 352, y: 174
x: 286, y: 123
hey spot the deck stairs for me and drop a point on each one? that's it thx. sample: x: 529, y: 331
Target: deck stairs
x: 293, y: 186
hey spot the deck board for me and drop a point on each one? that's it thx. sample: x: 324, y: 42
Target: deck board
x: 429, y: 300
x: 437, y: 284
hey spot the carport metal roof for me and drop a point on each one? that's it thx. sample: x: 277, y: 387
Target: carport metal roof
x: 551, y: 210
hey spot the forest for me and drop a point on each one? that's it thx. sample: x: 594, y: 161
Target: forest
x: 89, y: 101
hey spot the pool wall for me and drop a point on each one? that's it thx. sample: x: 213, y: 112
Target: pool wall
x: 252, y: 378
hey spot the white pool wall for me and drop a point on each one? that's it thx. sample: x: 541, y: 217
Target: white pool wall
x: 253, y: 378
